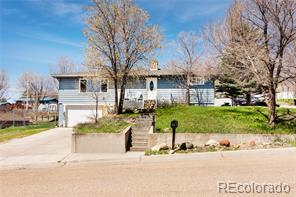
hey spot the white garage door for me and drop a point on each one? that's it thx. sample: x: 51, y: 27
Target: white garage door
x: 76, y: 116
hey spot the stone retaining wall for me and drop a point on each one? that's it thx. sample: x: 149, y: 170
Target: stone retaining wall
x: 200, y: 139
x: 101, y: 142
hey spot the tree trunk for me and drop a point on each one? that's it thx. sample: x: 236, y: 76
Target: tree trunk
x: 122, y: 94
x: 116, y: 96
x: 248, y: 99
x: 271, y: 107
x: 97, y: 103
x: 35, y: 109
x: 188, y: 90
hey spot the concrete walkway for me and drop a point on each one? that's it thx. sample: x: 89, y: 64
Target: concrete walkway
x: 43, y: 148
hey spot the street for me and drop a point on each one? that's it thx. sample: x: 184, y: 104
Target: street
x: 172, y: 175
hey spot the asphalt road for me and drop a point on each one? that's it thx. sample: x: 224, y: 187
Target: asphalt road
x: 159, y: 176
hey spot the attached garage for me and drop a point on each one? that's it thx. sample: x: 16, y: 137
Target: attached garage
x: 81, y: 114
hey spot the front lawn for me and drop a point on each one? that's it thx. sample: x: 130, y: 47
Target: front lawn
x: 104, y: 125
x: 197, y: 119
x: 22, y: 131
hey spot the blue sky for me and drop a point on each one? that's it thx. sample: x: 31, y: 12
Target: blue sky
x: 35, y: 33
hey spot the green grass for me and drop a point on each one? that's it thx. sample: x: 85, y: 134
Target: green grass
x: 22, y: 131
x: 104, y: 125
x: 195, y: 119
x: 285, y: 102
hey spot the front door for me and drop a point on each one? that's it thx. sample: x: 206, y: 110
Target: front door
x: 151, y: 85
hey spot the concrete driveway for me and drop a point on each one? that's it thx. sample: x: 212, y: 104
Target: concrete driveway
x: 45, y: 147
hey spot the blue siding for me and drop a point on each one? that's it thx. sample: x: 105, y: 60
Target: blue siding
x: 168, y: 83
x: 168, y: 89
x: 68, y: 83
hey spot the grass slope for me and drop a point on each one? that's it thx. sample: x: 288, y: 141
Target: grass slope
x: 104, y: 125
x: 197, y: 119
x: 22, y: 131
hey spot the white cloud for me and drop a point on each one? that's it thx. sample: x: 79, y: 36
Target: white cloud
x: 203, y: 9
x: 61, y: 8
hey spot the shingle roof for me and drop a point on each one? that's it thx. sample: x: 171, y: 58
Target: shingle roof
x: 141, y: 73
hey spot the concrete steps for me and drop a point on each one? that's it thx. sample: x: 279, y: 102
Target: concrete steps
x: 140, y: 134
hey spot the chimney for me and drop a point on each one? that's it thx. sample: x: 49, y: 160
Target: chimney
x: 154, y: 65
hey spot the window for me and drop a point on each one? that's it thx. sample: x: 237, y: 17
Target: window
x: 104, y: 86
x: 82, y: 85
x: 151, y: 86
x: 93, y: 85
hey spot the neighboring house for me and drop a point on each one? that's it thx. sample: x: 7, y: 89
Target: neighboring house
x: 286, y: 91
x: 4, y: 105
x: 77, y: 103
x: 48, y: 103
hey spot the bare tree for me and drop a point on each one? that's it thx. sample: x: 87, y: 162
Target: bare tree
x: 191, y: 63
x: 258, y: 36
x: 36, y: 87
x: 186, y: 63
x: 95, y: 86
x: 121, y: 39
x: 65, y: 65
x: 3, y: 85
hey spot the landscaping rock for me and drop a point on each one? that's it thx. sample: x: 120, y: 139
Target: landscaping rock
x: 186, y: 145
x: 172, y: 151
x: 212, y: 143
x: 155, y: 148
x: 278, y: 144
x: 162, y: 146
x: 224, y: 142
x: 189, y: 145
x: 252, y: 143
x: 236, y: 146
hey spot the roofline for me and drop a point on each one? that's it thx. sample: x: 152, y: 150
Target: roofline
x: 140, y: 75
x: 67, y: 75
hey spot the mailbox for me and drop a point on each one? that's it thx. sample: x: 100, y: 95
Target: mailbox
x: 174, y: 125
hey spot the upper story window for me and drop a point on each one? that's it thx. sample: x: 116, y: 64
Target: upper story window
x: 82, y: 85
x: 104, y: 85
x: 88, y: 85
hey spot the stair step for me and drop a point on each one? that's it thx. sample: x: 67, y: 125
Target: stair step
x: 141, y: 126
x: 142, y: 144
x: 138, y: 149
x: 140, y: 131
x: 140, y: 137
x: 139, y: 140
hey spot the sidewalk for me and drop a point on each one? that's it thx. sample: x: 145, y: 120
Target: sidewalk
x: 138, y: 157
